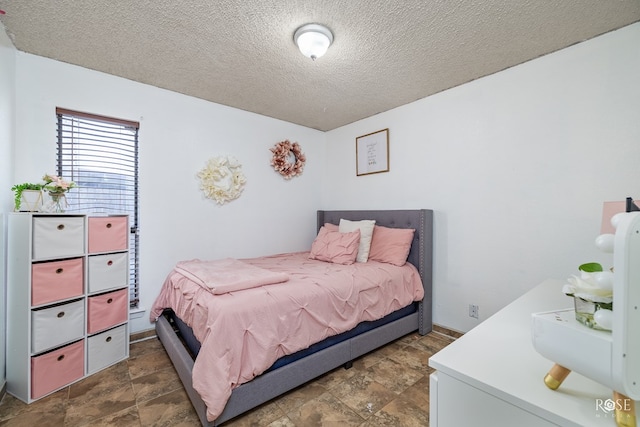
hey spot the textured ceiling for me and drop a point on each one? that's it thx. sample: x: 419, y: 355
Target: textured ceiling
x: 241, y: 53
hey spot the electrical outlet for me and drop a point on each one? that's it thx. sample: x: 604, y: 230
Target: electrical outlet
x: 473, y: 311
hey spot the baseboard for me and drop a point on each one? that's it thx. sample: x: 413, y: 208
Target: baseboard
x: 142, y: 335
x: 446, y: 331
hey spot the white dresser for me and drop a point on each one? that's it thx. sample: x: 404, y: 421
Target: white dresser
x: 493, y: 376
x: 67, y: 299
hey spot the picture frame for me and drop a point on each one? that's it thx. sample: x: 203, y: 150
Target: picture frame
x: 372, y: 153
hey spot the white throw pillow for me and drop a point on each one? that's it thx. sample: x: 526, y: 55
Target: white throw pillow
x: 366, y: 233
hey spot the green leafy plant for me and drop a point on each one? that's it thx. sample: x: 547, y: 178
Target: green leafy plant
x: 19, y: 188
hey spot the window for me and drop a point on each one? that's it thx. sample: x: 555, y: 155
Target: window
x: 100, y: 154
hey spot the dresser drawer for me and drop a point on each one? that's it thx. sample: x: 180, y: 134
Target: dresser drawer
x: 57, y: 325
x: 108, y: 271
x: 56, y: 369
x: 56, y: 280
x: 107, y: 310
x: 108, y: 234
x: 106, y: 348
x: 57, y: 237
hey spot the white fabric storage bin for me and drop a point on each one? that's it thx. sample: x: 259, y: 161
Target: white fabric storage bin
x: 106, y: 348
x: 57, y: 236
x: 53, y: 326
x: 109, y: 271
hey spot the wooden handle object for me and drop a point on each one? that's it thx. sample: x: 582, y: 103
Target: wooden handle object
x: 625, y: 410
x: 556, y: 376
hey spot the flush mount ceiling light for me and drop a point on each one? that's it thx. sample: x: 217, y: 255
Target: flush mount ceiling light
x: 313, y: 40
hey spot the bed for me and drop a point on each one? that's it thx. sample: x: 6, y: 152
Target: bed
x: 302, y: 366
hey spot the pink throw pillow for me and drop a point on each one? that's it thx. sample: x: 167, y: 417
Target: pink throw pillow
x: 331, y: 227
x: 335, y: 247
x: 391, y: 245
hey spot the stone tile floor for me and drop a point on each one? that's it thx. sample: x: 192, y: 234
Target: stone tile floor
x: 387, y: 387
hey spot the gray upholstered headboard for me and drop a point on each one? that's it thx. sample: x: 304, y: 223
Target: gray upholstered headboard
x: 419, y: 219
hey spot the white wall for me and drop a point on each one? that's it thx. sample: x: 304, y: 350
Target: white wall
x: 7, y: 99
x: 516, y: 166
x: 177, y: 135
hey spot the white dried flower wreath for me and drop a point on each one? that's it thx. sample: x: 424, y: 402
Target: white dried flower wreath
x: 222, y: 179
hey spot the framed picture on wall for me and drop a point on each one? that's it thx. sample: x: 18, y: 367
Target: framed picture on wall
x: 372, y: 153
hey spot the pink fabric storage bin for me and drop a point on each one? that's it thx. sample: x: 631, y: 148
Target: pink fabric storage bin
x: 107, y: 310
x: 56, y: 280
x: 108, y: 234
x: 56, y: 369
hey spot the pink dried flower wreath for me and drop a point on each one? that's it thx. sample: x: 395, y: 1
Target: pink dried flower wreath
x: 288, y: 159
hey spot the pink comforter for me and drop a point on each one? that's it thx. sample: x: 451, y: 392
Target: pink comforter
x: 243, y: 333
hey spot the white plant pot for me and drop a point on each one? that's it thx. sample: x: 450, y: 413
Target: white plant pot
x: 30, y: 201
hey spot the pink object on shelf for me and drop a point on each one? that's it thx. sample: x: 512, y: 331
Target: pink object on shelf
x: 107, y: 310
x: 56, y: 369
x: 56, y: 280
x: 609, y: 209
x: 108, y: 234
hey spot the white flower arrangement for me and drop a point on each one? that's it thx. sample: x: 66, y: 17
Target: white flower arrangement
x: 222, y: 179
x: 592, y: 292
x: 595, y: 287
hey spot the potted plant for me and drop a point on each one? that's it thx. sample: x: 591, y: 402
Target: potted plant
x: 29, y: 195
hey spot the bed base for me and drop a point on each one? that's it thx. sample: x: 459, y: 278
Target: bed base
x: 279, y: 381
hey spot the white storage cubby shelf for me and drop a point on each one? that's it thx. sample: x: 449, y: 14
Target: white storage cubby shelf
x: 67, y: 299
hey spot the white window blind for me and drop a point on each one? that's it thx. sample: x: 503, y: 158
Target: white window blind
x: 100, y: 154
